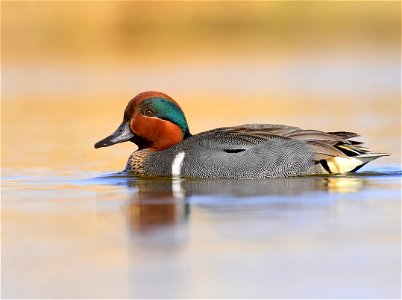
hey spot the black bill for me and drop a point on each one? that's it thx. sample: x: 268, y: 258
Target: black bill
x: 122, y: 134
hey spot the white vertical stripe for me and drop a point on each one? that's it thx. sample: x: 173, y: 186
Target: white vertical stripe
x: 177, y: 164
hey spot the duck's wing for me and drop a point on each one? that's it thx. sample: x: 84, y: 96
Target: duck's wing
x: 323, y: 144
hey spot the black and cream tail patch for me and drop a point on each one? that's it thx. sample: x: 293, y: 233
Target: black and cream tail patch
x: 340, y: 165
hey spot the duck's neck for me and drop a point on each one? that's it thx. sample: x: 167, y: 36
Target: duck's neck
x: 187, y: 134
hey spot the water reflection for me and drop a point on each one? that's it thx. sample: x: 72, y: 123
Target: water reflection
x: 343, y: 185
x: 154, y: 203
x: 158, y: 202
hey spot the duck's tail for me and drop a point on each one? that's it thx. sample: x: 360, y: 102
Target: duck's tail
x: 339, y: 165
x: 338, y: 153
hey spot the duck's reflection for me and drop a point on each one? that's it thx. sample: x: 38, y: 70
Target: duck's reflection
x: 154, y: 203
x: 160, y: 202
x: 344, y: 184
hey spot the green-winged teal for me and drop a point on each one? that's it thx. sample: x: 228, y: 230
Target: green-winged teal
x: 156, y: 123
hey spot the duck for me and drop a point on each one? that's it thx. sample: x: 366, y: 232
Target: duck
x: 166, y: 148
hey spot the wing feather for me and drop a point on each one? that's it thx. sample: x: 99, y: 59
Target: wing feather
x: 324, y: 144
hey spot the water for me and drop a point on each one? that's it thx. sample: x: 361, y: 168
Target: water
x: 117, y: 236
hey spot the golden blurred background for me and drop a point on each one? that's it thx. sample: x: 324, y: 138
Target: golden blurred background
x: 157, y: 32
x: 69, y: 68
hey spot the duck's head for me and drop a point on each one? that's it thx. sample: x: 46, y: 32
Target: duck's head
x: 151, y: 120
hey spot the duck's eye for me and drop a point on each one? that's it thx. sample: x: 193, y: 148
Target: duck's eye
x: 149, y: 113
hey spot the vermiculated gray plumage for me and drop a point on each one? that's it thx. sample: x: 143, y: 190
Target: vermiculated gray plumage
x: 253, y: 151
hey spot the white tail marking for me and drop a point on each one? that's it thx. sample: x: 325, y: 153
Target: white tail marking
x: 177, y: 164
x: 346, y: 164
x: 342, y: 164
